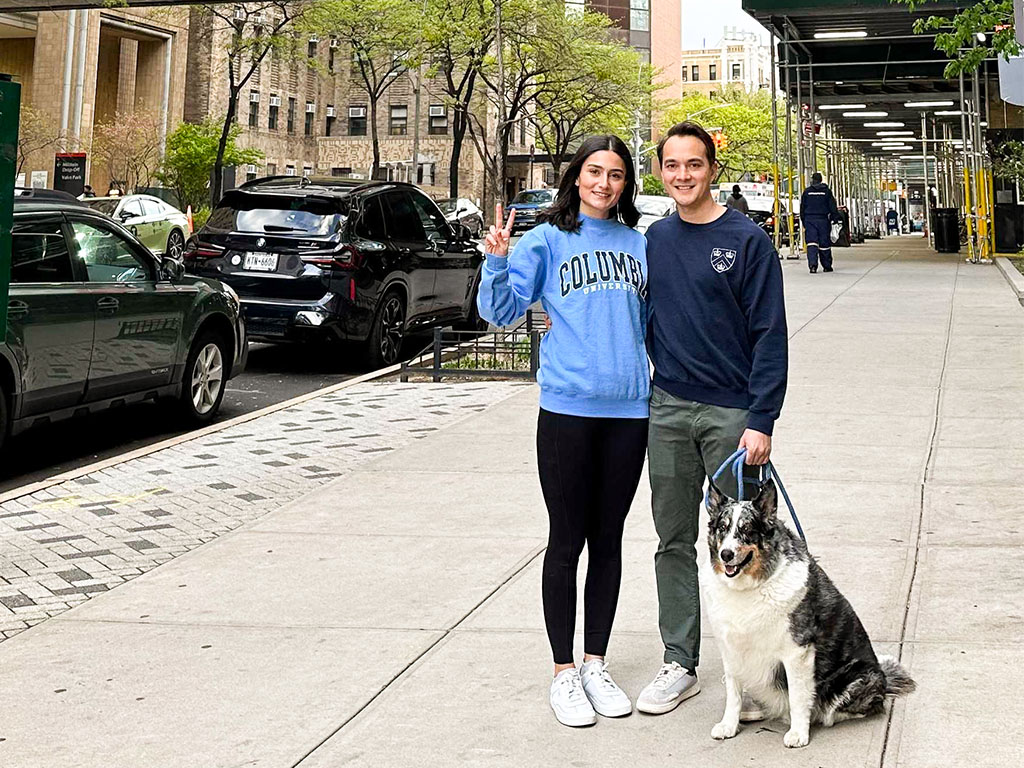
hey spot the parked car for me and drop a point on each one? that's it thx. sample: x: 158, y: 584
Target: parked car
x: 160, y: 226
x: 528, y: 205
x: 95, y: 320
x: 761, y: 211
x: 465, y: 212
x: 652, y: 208
x: 355, y: 261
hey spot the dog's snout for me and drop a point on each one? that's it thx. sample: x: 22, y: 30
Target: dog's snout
x: 727, y: 555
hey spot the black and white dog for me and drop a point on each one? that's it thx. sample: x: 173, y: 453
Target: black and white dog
x: 787, y: 636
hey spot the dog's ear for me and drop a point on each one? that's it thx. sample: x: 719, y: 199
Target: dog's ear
x: 716, y: 499
x: 767, y: 500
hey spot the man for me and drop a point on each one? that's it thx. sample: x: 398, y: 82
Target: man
x: 818, y: 210
x: 892, y: 222
x: 717, y: 337
x: 737, y: 201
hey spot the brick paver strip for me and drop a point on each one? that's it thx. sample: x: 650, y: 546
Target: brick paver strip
x: 62, y: 545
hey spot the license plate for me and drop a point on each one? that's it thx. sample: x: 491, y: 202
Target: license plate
x: 260, y: 262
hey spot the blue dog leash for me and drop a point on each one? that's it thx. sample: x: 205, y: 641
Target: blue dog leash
x: 770, y: 473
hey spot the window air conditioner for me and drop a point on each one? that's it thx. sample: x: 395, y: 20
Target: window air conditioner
x: 357, y: 111
x: 275, y: 101
x: 251, y: 169
x: 334, y: 42
x: 437, y: 111
x: 254, y: 97
x: 314, y: 39
x: 310, y: 106
x: 239, y: 14
x: 330, y: 110
x: 258, y: 18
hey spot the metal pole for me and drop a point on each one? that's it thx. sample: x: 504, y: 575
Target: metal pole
x: 984, y: 221
x: 498, y: 149
x: 968, y: 175
x: 797, y: 238
x: 924, y: 163
x: 789, y: 148
x: 775, y: 141
x: 814, y: 119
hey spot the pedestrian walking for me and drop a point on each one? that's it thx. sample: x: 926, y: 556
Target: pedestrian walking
x: 737, y: 201
x: 87, y: 191
x: 818, y: 211
x: 892, y: 221
x: 588, y: 267
x: 717, y: 338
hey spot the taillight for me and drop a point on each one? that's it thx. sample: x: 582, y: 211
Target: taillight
x: 197, y: 251
x: 345, y: 257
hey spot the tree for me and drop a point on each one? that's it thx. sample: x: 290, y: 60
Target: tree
x: 128, y: 148
x: 1008, y: 160
x: 959, y: 38
x: 254, y: 31
x: 35, y: 133
x: 192, y: 151
x: 383, y: 37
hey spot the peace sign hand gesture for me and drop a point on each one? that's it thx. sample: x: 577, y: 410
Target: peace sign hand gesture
x: 497, y: 240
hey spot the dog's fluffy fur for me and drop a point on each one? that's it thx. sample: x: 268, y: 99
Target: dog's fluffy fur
x: 787, y: 636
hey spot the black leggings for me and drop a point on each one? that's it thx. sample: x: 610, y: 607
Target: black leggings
x: 589, y: 471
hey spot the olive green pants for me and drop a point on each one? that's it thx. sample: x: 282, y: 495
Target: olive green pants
x: 687, y: 443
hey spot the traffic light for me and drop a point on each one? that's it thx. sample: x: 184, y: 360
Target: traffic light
x: 720, y: 139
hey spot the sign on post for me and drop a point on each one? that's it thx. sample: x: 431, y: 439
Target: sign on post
x: 10, y: 107
x: 69, y: 172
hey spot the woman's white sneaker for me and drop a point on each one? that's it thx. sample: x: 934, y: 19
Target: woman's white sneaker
x: 606, y: 697
x: 569, y: 702
x: 673, y: 685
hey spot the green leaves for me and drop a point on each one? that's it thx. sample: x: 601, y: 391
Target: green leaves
x: 957, y: 36
x: 190, y: 157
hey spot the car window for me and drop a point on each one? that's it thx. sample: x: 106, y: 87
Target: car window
x: 404, y: 221
x: 131, y: 208
x: 152, y: 208
x: 371, y: 221
x: 39, y: 253
x: 240, y: 211
x: 108, y: 257
x: 105, y: 205
x: 534, y: 196
x: 431, y: 218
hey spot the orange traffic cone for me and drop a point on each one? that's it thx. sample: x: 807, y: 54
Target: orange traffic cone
x: 188, y: 215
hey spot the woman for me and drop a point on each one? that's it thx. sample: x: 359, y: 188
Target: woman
x: 589, y: 269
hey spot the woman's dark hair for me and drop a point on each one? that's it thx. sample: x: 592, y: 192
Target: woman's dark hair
x: 564, y: 213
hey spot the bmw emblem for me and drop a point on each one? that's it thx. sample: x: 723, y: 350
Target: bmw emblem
x: 261, y: 242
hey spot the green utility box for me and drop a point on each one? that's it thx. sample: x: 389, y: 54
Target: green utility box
x: 10, y: 106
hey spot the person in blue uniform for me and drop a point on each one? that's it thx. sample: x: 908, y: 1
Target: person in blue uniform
x: 818, y: 210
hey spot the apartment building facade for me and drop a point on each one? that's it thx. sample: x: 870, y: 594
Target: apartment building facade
x: 80, y: 69
x: 739, y: 59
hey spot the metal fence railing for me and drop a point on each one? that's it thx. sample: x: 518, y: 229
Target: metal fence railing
x: 512, y: 353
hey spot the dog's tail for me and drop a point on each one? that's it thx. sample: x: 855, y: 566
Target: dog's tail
x: 897, y: 681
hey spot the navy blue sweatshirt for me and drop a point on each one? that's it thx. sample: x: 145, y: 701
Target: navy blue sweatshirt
x: 717, y: 327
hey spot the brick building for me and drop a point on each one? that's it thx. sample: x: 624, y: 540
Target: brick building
x: 79, y: 69
x: 738, y: 59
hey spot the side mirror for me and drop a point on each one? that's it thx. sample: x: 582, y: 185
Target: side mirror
x: 172, y: 269
x: 462, y: 232
x: 461, y: 211
x: 125, y: 215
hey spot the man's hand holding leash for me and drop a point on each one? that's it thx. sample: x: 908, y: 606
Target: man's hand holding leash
x: 758, y: 445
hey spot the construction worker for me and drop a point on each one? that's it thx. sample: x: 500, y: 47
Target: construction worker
x: 818, y: 210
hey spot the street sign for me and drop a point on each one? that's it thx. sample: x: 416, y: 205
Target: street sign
x: 10, y: 108
x: 69, y: 172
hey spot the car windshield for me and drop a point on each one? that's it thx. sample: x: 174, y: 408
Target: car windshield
x: 764, y: 204
x: 262, y: 213
x: 103, y: 206
x: 447, y: 206
x: 656, y: 207
x: 534, y: 196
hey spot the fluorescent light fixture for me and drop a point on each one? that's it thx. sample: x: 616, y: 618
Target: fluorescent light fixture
x: 885, y: 125
x: 928, y: 104
x: 865, y: 114
x: 848, y: 35
x: 948, y: 113
x: 892, y: 143
x: 915, y: 157
x: 841, y: 106
x: 895, y: 133
x: 983, y: 123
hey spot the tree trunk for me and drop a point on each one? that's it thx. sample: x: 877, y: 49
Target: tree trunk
x: 216, y: 187
x: 459, y: 124
x: 375, y: 169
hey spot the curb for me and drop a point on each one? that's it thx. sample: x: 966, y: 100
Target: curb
x: 1013, y: 277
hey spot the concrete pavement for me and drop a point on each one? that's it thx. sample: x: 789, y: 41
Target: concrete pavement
x: 390, y: 616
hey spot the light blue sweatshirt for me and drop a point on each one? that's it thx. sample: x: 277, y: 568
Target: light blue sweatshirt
x: 593, y: 285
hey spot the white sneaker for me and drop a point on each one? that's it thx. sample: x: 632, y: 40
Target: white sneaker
x: 751, y: 711
x: 673, y: 685
x: 605, y: 696
x: 569, y: 702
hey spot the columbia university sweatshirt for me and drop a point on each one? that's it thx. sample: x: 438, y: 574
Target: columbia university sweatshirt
x: 717, y: 332
x: 593, y: 284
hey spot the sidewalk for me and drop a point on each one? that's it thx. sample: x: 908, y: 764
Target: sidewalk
x: 374, y: 598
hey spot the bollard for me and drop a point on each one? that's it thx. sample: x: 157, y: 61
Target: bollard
x: 436, y: 376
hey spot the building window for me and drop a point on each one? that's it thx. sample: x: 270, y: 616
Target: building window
x: 574, y: 7
x: 271, y: 169
x: 695, y: 73
x: 291, y: 115
x: 639, y: 15
x: 399, y: 121
x: 683, y: 78
x: 736, y: 69
x: 272, y: 117
x: 337, y: 172
x: 329, y: 127
x: 522, y: 132
x: 307, y: 171
x: 254, y: 114
x: 330, y: 59
x: 310, y: 114
x: 357, y: 121
x: 250, y: 172
x: 438, y: 120
x: 289, y: 170
x: 712, y: 72
x: 311, y: 48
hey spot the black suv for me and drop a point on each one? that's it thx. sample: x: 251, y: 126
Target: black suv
x: 341, y: 260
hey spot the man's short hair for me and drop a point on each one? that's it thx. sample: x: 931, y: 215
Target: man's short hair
x: 687, y: 128
x: 816, y: 178
x: 736, y: 189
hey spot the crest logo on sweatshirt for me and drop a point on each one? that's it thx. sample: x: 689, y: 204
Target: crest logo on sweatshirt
x: 722, y: 259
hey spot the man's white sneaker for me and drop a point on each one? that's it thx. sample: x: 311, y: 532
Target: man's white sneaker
x: 605, y: 696
x: 750, y: 710
x: 568, y: 700
x: 673, y: 685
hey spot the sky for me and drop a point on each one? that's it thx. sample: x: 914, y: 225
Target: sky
x: 703, y: 21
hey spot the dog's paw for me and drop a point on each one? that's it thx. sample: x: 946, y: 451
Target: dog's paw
x: 794, y: 738
x: 724, y: 730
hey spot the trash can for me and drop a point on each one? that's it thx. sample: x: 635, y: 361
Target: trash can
x: 947, y: 230
x: 844, y: 235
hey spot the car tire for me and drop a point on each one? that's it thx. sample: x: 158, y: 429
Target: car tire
x: 175, y: 245
x: 473, y: 321
x: 384, y: 347
x: 5, y: 418
x: 205, y: 378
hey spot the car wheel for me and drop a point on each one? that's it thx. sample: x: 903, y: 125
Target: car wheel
x: 202, y: 388
x: 384, y: 346
x: 5, y: 418
x: 473, y: 321
x: 175, y: 245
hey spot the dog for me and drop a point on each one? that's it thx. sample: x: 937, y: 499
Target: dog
x: 787, y: 636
